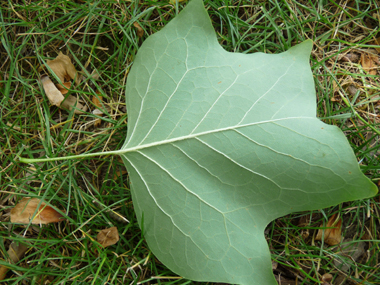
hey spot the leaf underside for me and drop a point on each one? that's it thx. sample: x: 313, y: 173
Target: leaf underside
x: 219, y: 144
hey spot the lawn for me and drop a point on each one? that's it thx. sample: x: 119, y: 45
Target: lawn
x: 102, y: 38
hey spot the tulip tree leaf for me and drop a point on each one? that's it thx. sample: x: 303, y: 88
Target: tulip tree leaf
x: 219, y: 144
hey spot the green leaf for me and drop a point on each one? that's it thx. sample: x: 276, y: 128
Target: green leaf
x: 219, y: 144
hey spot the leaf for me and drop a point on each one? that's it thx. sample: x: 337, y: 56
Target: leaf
x: 15, y: 252
x: 63, y: 68
x: 26, y: 212
x: 54, y: 94
x: 139, y: 30
x: 219, y: 144
x: 368, y: 62
x: 108, y: 237
x: 326, y: 279
x: 332, y: 235
x: 64, y: 87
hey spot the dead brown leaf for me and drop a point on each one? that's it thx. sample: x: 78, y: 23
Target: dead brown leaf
x: 16, y: 251
x: 108, y: 237
x: 368, y: 61
x: 349, y: 57
x: 54, y: 94
x: 72, y: 102
x: 139, y: 30
x: 332, y: 235
x: 63, y: 68
x: 326, y: 279
x: 64, y: 87
x: 23, y: 212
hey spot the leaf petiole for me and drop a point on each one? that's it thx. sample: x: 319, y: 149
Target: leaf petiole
x: 86, y: 155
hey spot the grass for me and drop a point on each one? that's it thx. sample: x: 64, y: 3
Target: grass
x: 99, y: 35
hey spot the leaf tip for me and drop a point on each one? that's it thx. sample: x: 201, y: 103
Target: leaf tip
x: 303, y: 49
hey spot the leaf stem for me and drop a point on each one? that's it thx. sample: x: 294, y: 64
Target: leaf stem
x: 34, y: 160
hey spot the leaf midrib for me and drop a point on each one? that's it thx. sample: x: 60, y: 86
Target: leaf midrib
x: 190, y: 136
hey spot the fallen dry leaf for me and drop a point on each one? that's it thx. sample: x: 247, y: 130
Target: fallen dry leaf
x: 23, y: 212
x: 368, y: 61
x: 57, y: 99
x: 54, y: 95
x: 63, y: 88
x: 16, y: 251
x: 139, y: 30
x: 349, y: 57
x: 332, y: 235
x: 63, y: 68
x: 72, y: 102
x: 326, y: 279
x: 108, y: 237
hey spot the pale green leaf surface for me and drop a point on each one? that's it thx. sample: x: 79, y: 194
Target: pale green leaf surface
x: 219, y: 144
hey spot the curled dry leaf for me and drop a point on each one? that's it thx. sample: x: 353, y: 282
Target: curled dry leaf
x: 333, y: 233
x: 349, y: 57
x: 63, y: 68
x: 56, y: 98
x: 108, y: 237
x: 326, y: 279
x: 15, y: 252
x: 72, y: 102
x: 65, y: 71
x: 64, y: 87
x: 54, y: 95
x: 23, y: 212
x: 139, y: 30
x: 368, y: 61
